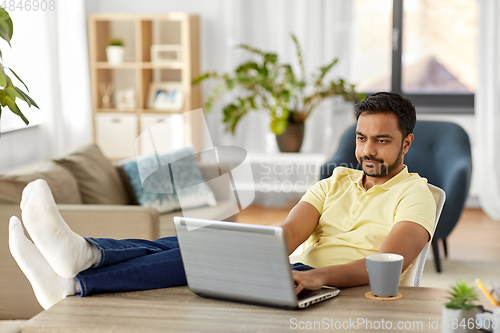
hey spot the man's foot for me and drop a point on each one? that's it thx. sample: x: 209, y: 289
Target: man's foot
x: 49, y: 287
x: 67, y: 252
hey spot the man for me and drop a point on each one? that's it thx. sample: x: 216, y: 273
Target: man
x: 353, y: 213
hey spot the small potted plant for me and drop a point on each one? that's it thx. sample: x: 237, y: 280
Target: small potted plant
x: 459, y: 312
x: 115, y: 51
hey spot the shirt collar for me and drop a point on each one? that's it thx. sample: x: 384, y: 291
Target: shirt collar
x: 402, y: 175
x: 357, y: 178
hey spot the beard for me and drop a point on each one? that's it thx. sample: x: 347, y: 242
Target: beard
x: 383, y: 168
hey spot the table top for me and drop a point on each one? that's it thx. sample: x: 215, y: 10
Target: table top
x: 177, y: 309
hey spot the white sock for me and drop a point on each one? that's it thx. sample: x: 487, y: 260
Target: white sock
x: 48, y: 286
x: 67, y: 252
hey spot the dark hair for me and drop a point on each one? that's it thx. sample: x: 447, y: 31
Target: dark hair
x: 398, y: 104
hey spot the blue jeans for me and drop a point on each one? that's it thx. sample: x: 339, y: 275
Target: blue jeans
x: 136, y: 264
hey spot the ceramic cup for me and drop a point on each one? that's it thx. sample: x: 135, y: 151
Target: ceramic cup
x: 384, y: 272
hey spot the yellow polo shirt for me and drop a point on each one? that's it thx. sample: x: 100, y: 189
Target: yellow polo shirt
x: 354, y: 222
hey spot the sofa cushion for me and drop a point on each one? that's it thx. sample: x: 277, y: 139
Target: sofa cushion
x: 61, y: 181
x: 169, y: 181
x: 98, y: 179
x: 126, y: 183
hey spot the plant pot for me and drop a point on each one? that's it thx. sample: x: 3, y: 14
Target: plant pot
x: 291, y: 139
x: 458, y: 321
x: 114, y: 54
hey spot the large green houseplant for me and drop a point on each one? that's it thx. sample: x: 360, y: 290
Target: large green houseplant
x: 269, y: 85
x: 8, y: 91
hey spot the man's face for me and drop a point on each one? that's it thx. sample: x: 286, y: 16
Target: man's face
x: 379, y: 144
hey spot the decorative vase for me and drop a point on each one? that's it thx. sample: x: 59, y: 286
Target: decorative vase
x: 291, y: 139
x: 458, y: 321
x: 114, y: 54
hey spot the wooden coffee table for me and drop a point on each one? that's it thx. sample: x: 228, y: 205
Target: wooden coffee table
x: 179, y: 310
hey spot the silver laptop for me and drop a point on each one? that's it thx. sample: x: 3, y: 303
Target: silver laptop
x: 241, y: 262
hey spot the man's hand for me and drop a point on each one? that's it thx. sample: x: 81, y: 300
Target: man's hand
x: 310, y: 280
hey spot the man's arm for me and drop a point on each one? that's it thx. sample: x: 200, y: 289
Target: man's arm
x: 405, y: 238
x: 300, y: 224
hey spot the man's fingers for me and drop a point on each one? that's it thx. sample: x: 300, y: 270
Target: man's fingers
x: 299, y: 288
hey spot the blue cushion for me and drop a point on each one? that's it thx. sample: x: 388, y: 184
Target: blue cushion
x: 168, y: 181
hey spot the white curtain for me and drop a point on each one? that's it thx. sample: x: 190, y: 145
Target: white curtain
x: 72, y: 115
x: 487, y: 107
x: 323, y: 30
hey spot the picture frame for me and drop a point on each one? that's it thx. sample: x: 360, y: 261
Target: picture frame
x: 165, y: 53
x: 166, y: 96
x: 125, y: 99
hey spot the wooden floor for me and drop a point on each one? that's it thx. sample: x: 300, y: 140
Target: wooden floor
x: 476, y: 237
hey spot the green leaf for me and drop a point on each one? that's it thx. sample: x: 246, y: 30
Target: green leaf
x: 6, y: 26
x: 299, y: 55
x: 3, y: 78
x: 278, y: 125
x: 26, y: 98
x: 250, y: 49
x: 324, y: 70
x: 19, y: 79
x: 6, y: 100
x: 271, y: 57
x: 462, y: 296
x: 232, y: 115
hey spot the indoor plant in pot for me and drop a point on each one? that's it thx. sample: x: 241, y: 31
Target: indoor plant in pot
x: 268, y: 85
x: 115, y: 51
x: 459, y: 312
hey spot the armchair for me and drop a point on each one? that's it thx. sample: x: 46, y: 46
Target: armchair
x: 441, y: 153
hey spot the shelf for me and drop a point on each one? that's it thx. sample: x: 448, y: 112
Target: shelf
x: 166, y: 65
x: 143, y: 111
x: 154, y: 111
x: 114, y: 110
x: 124, y: 65
x: 146, y: 65
x: 132, y: 80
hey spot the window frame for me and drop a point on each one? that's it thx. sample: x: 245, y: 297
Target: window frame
x: 424, y: 103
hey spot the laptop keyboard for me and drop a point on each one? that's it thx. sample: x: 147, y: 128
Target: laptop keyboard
x: 306, y: 293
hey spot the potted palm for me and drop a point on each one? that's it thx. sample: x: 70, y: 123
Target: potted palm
x: 458, y: 315
x: 115, y: 51
x: 269, y: 85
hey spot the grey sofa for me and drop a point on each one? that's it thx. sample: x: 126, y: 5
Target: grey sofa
x: 17, y: 300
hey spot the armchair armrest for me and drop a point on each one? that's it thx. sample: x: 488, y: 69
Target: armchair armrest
x: 112, y: 221
x: 103, y: 221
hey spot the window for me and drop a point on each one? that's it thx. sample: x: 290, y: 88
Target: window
x: 425, y: 49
